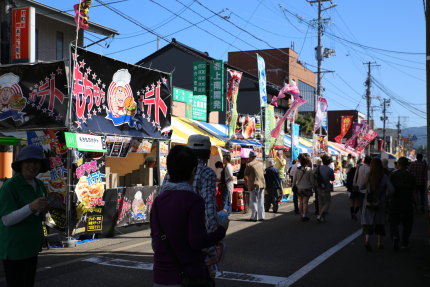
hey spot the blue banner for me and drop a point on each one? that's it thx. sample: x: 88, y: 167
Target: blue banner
x: 262, y: 81
x: 295, y: 150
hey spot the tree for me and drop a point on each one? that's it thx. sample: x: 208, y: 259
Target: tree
x: 306, y: 123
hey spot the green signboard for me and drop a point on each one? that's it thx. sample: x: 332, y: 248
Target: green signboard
x: 199, y: 108
x: 196, y: 105
x: 199, y: 78
x: 181, y: 95
x: 84, y: 142
x: 216, y: 91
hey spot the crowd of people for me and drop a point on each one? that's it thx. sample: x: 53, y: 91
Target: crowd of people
x: 187, y: 225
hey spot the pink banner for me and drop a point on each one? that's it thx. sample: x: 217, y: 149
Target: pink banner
x: 290, y: 113
x: 365, y: 140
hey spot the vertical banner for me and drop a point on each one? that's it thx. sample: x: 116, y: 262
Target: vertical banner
x: 262, y: 81
x: 163, y: 151
x: 289, y: 114
x: 233, y: 90
x: 216, y: 86
x: 345, y: 124
x: 258, y: 127
x: 356, y: 130
x: 321, y: 114
x: 199, y: 78
x: 90, y: 186
x: 55, y: 178
x: 295, y: 151
x: 23, y: 35
x: 269, y: 126
x: 320, y: 144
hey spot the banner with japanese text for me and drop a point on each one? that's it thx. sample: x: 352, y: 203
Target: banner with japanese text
x: 33, y: 96
x: 346, y: 122
x: 54, y: 147
x: 90, y: 180
x: 321, y: 114
x: 117, y: 98
x: 233, y: 90
x: 216, y: 86
x: 320, y: 144
x: 357, y: 129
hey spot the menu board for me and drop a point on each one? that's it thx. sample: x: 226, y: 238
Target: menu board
x: 163, y: 151
x: 140, y: 146
x: 90, y: 181
x: 235, y: 153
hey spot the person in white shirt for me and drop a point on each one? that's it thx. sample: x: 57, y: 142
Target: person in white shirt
x: 229, y: 185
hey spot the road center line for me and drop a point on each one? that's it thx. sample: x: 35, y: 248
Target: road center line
x: 293, y: 278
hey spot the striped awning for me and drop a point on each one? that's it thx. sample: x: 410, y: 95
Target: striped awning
x: 183, y: 128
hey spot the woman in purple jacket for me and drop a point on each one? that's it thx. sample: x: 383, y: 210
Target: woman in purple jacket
x: 178, y: 224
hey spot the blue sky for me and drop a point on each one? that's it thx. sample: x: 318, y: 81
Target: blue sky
x: 356, y: 28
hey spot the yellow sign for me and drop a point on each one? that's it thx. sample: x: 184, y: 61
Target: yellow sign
x: 94, y: 223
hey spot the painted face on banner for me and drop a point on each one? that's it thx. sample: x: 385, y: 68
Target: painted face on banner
x: 10, y: 93
x: 120, y: 98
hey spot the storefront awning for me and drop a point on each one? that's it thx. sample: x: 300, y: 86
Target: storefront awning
x: 183, y: 128
x: 221, y: 132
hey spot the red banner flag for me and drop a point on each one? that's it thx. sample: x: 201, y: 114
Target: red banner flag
x: 365, y: 140
x: 345, y: 125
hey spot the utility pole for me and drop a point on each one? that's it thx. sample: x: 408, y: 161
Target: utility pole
x: 319, y: 54
x: 384, y: 118
x: 398, y: 135
x: 368, y: 84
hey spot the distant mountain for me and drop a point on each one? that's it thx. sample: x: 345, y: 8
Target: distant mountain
x: 419, y: 132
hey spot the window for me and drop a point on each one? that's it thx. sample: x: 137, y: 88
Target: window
x: 308, y: 93
x: 59, y: 45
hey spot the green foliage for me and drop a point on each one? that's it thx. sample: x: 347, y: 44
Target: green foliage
x: 306, y: 123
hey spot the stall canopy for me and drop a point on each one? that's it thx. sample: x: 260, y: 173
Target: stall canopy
x: 183, y: 128
x: 221, y: 132
x: 344, y: 150
x: 303, y: 148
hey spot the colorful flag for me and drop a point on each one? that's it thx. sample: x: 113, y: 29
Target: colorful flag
x: 289, y: 114
x: 233, y: 90
x: 357, y: 130
x: 365, y: 140
x: 269, y: 126
x: 289, y: 89
x: 321, y: 114
x: 81, y: 11
x: 344, y: 128
x: 262, y: 81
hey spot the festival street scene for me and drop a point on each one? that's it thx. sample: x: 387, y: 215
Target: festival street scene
x: 214, y: 143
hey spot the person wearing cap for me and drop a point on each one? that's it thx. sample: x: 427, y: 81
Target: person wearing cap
x: 254, y: 177
x: 22, y: 202
x: 401, y: 207
x: 273, y: 187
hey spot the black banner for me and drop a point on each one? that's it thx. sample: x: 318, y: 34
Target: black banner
x: 134, y: 204
x: 117, y: 98
x: 33, y: 96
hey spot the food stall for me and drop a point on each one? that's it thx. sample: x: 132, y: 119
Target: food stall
x: 129, y: 107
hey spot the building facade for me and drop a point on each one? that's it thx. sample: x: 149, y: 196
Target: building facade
x: 282, y: 66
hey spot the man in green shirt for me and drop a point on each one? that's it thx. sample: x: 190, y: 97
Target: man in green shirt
x: 280, y: 164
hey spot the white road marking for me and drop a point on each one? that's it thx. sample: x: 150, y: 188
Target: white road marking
x: 244, y: 277
x: 293, y: 278
x: 132, y: 264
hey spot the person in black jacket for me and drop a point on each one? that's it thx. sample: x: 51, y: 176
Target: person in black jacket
x: 354, y: 194
x: 401, y: 204
x: 273, y: 187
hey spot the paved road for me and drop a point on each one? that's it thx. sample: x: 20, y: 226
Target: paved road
x: 281, y: 251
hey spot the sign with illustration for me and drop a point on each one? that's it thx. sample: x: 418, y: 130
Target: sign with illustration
x: 33, y: 96
x: 90, y: 186
x: 117, y: 98
x: 163, y: 151
x: 140, y: 146
x: 53, y: 144
x: 134, y: 204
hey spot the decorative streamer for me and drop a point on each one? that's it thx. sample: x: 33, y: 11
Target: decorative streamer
x: 233, y: 90
x: 288, y: 88
x: 81, y: 13
x: 288, y: 115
